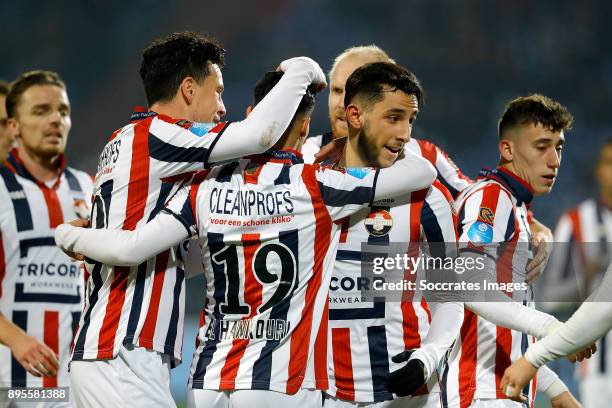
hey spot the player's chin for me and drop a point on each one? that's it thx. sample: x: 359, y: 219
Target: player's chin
x: 543, y: 189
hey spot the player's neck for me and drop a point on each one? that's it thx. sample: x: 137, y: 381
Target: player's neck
x: 172, y: 109
x: 42, y: 168
x: 353, y: 155
x: 290, y: 141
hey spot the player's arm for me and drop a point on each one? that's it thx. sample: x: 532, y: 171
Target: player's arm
x: 130, y: 248
x: 344, y: 193
x: 449, y: 174
x: 36, y: 357
x: 591, y: 321
x: 550, y: 384
x: 188, y: 149
x: 438, y: 226
x: 482, y: 232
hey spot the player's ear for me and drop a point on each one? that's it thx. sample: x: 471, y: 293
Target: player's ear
x: 187, y: 89
x: 12, y: 125
x: 506, y: 150
x: 354, y: 116
x: 305, y: 127
x: 249, y: 109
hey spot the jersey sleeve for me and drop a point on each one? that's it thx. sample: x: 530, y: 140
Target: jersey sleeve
x: 182, y: 207
x: 183, y: 146
x: 344, y: 193
x: 205, y: 143
x: 487, y: 218
x: 591, y: 321
x: 449, y: 174
x: 122, y: 247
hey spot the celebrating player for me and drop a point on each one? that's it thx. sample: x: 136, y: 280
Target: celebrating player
x: 448, y: 173
x: 367, y: 340
x: 40, y: 290
x: 131, y: 331
x: 268, y: 231
x: 494, y: 211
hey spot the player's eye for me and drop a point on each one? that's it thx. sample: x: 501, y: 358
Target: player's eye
x: 337, y: 90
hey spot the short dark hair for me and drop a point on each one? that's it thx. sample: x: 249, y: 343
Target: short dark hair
x: 370, y: 81
x: 27, y: 80
x: 4, y: 88
x: 269, y: 81
x: 534, y: 109
x: 167, y: 61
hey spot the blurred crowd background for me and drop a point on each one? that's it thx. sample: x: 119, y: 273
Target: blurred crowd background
x: 471, y: 56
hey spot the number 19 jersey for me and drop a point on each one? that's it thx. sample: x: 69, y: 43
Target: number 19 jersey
x: 268, y: 238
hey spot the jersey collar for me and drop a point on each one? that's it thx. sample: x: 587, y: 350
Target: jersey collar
x: 16, y: 165
x: 520, y: 188
x: 287, y: 156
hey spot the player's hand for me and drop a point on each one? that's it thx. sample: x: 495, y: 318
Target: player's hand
x: 583, y: 354
x: 408, y: 379
x: 79, y: 223
x: 565, y: 400
x: 317, y: 75
x: 541, y: 240
x: 516, y: 377
x: 37, y: 358
x: 331, y: 151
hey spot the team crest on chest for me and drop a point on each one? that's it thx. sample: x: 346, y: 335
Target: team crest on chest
x: 378, y: 222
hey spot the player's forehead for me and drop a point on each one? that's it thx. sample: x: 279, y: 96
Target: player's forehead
x: 43, y: 95
x: 538, y: 133
x: 396, y: 100
x: 215, y: 74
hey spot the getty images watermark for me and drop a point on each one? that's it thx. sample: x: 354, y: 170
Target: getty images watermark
x: 398, y: 271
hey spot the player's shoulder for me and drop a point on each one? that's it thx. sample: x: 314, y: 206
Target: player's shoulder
x: 84, y: 178
x: 438, y: 191
x: 484, y: 193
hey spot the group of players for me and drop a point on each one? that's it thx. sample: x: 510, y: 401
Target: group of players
x: 276, y: 221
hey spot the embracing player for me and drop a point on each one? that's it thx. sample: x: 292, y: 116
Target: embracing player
x: 268, y: 231
x: 131, y: 330
x: 367, y: 340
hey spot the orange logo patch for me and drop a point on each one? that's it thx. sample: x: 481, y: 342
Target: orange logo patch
x: 486, y: 215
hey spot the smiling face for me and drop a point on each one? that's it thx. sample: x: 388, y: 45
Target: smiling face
x: 534, y: 153
x: 42, y: 120
x: 386, y: 127
x: 337, y: 82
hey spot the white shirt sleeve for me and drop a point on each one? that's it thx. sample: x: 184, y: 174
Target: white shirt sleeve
x: 591, y: 321
x: 550, y: 383
x: 270, y: 117
x: 119, y: 247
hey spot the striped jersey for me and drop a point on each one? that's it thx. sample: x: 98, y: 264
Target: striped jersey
x: 448, y: 173
x: 493, y: 220
x: 140, y: 168
x: 364, y: 335
x: 268, y: 236
x: 41, y: 290
x: 583, y: 239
